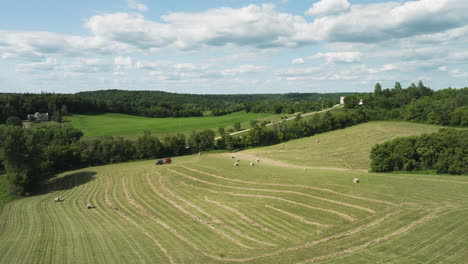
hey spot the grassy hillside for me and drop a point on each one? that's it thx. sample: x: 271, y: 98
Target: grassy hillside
x: 204, y: 210
x: 127, y: 125
x: 345, y: 148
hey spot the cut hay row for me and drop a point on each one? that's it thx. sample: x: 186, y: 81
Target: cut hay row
x: 317, y: 242
x: 246, y: 218
x: 339, y: 214
x: 305, y: 195
x: 213, y: 219
x: 290, y: 185
x: 128, y: 219
x: 423, y: 179
x: 297, y: 217
x: 374, y: 241
x: 165, y: 225
x: 196, y: 218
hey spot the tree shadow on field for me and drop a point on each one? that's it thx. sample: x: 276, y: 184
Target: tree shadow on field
x: 68, y: 182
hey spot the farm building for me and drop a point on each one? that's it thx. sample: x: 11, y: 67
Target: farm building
x: 43, y: 117
x: 342, y: 100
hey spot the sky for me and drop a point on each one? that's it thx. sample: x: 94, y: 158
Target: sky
x: 231, y: 46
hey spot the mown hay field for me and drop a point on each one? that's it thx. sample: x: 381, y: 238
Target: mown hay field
x: 346, y: 148
x: 131, y: 126
x: 202, y: 209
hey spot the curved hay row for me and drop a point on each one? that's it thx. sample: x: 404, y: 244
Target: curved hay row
x: 297, y: 217
x: 195, y: 217
x: 291, y: 185
x: 214, y: 219
x: 305, y: 195
x: 163, y: 224
x: 342, y: 215
x: 246, y: 218
x: 128, y: 219
x: 374, y: 241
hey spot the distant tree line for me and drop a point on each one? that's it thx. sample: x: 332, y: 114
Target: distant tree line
x: 416, y: 103
x: 445, y: 151
x: 155, y: 103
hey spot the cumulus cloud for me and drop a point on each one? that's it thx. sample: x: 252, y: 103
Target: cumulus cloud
x: 338, y: 57
x: 328, y: 7
x: 50, y: 64
x: 298, y: 61
x: 241, y: 70
x: 257, y: 26
x: 133, y: 4
x: 457, y: 73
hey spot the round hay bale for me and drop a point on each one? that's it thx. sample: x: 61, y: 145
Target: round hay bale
x: 89, y: 206
x: 199, y: 153
x: 238, y: 160
x: 236, y: 164
x: 356, y: 180
x: 252, y: 164
x: 232, y: 157
x: 258, y: 160
x: 317, y: 141
x: 57, y: 199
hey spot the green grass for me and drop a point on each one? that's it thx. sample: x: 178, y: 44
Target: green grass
x: 202, y: 209
x: 131, y: 126
x: 345, y: 148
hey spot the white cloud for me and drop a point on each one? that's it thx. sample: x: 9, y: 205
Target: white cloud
x: 337, y: 57
x: 295, y: 72
x: 133, y: 4
x: 328, y: 7
x: 442, y: 68
x: 457, y: 73
x: 50, y: 64
x: 241, y: 70
x: 298, y: 61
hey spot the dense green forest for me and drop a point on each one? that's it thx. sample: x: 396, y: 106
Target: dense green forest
x: 445, y: 151
x: 158, y: 104
x: 416, y: 103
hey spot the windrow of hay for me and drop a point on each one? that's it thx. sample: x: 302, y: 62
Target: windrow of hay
x: 246, y: 218
x: 213, y: 219
x: 374, y: 241
x: 297, y: 217
x: 195, y: 217
x: 342, y: 215
x: 291, y: 185
x: 128, y: 219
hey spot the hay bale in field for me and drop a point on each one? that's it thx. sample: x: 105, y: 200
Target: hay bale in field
x: 57, y: 199
x: 258, y: 160
x: 251, y: 164
x: 199, y: 153
x: 90, y: 206
x: 236, y: 164
x: 317, y: 141
x: 356, y: 180
x: 232, y: 157
x: 237, y: 160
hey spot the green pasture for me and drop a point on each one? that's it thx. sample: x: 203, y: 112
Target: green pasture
x: 345, y: 148
x: 203, y: 209
x: 132, y: 126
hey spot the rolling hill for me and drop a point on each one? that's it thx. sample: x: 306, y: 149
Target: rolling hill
x: 202, y: 209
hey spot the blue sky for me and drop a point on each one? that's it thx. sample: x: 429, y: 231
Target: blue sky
x: 231, y: 46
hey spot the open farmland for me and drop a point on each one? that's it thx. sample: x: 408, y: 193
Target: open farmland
x: 346, y: 148
x: 202, y: 209
x: 132, y: 126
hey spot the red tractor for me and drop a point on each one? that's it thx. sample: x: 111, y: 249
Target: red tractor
x: 167, y: 161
